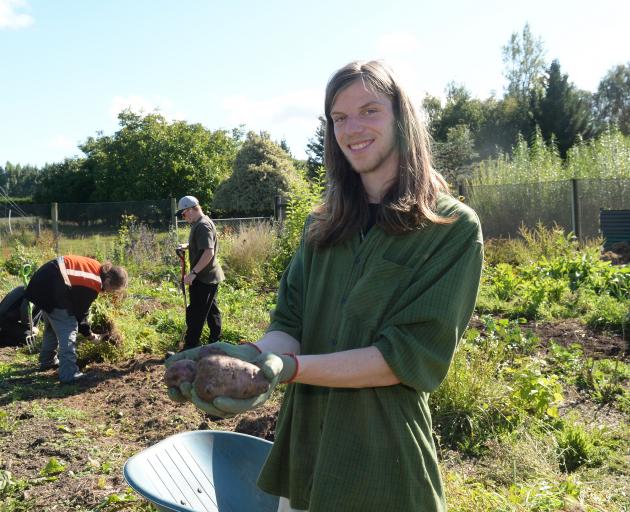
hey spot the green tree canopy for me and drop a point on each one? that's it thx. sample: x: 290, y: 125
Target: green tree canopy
x: 65, y: 181
x: 525, y: 65
x: 563, y: 113
x: 19, y: 180
x: 315, y: 150
x: 262, y: 170
x: 150, y: 157
x: 612, y: 100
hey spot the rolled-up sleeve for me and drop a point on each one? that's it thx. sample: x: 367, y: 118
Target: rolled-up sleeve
x: 419, y: 336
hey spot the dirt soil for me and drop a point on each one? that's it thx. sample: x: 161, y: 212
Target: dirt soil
x: 119, y: 410
x: 94, y: 426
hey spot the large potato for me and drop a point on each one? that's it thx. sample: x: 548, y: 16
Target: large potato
x: 220, y: 375
x: 180, y: 371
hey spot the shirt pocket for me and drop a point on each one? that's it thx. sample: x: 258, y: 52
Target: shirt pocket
x: 375, y: 293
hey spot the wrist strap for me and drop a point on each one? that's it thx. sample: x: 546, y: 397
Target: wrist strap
x: 295, y: 371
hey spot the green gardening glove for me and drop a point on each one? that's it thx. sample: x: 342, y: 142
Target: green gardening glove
x: 245, y: 351
x: 277, y: 368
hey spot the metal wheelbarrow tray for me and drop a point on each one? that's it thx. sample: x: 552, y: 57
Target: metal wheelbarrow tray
x: 202, y: 471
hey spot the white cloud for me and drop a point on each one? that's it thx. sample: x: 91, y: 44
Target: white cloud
x: 292, y: 116
x: 142, y: 105
x: 63, y: 143
x: 295, y: 106
x: 11, y: 18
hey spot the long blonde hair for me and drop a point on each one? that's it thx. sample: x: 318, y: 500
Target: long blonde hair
x: 410, y: 201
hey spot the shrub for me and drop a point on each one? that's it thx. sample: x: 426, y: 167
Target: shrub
x: 262, y: 170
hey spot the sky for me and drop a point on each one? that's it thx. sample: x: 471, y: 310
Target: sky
x: 68, y: 67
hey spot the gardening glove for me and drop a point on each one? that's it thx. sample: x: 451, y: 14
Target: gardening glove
x: 277, y: 368
x: 245, y: 351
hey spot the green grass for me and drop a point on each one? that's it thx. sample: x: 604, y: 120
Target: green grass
x: 509, y: 428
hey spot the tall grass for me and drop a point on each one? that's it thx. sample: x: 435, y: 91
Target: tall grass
x: 606, y: 157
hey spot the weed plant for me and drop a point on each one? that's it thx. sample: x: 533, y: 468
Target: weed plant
x: 551, y: 276
x: 247, y: 254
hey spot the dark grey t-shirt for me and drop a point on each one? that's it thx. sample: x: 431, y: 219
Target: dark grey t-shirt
x: 203, y: 235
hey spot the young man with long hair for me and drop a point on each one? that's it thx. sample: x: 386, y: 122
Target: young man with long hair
x: 369, y: 313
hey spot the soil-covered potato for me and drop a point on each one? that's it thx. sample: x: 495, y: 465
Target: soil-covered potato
x: 220, y: 375
x: 180, y: 371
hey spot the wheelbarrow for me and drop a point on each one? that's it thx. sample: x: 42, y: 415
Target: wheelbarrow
x: 202, y: 471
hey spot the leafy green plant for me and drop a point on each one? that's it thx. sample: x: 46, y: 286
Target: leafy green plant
x: 21, y: 259
x: 472, y: 404
x: 300, y: 205
x: 53, y: 467
x: 575, y: 447
x: 605, y: 379
x: 537, y: 393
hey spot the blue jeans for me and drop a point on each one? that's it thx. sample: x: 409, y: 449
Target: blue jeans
x: 60, y: 333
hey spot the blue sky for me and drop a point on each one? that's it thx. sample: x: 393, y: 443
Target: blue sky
x: 67, y: 67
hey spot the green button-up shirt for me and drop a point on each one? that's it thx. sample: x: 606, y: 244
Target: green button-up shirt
x: 411, y: 296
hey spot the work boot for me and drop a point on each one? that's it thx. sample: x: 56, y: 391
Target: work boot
x: 77, y: 377
x: 52, y: 365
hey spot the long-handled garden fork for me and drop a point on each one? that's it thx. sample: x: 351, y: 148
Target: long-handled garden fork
x: 25, y: 273
x: 181, y: 254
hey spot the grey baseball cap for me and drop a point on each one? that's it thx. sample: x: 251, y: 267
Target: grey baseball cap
x: 184, y: 203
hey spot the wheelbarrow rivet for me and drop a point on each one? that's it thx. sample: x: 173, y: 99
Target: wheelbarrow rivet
x: 182, y: 502
x: 199, y: 491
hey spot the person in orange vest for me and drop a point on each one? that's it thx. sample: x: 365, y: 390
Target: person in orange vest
x: 64, y: 289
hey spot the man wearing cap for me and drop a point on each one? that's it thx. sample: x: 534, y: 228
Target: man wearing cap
x: 205, y: 273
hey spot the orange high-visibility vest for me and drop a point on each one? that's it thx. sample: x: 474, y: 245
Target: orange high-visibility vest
x: 83, y: 271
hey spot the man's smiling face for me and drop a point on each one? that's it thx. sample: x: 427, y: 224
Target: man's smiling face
x: 365, y: 131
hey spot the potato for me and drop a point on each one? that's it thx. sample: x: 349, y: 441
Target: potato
x: 220, y: 375
x: 180, y: 371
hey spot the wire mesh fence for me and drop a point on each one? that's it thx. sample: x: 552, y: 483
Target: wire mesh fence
x: 573, y: 205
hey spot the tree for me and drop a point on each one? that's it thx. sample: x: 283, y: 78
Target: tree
x: 563, y: 113
x: 432, y: 108
x: 453, y: 157
x: 315, y: 150
x: 524, y: 62
x: 612, y: 99
x: 19, y: 180
x: 151, y: 158
x: 460, y: 110
x: 262, y: 170
x: 66, y: 181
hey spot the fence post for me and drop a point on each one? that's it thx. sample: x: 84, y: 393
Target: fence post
x: 279, y: 209
x: 575, y: 209
x: 174, y: 213
x: 54, y: 217
x: 461, y: 190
